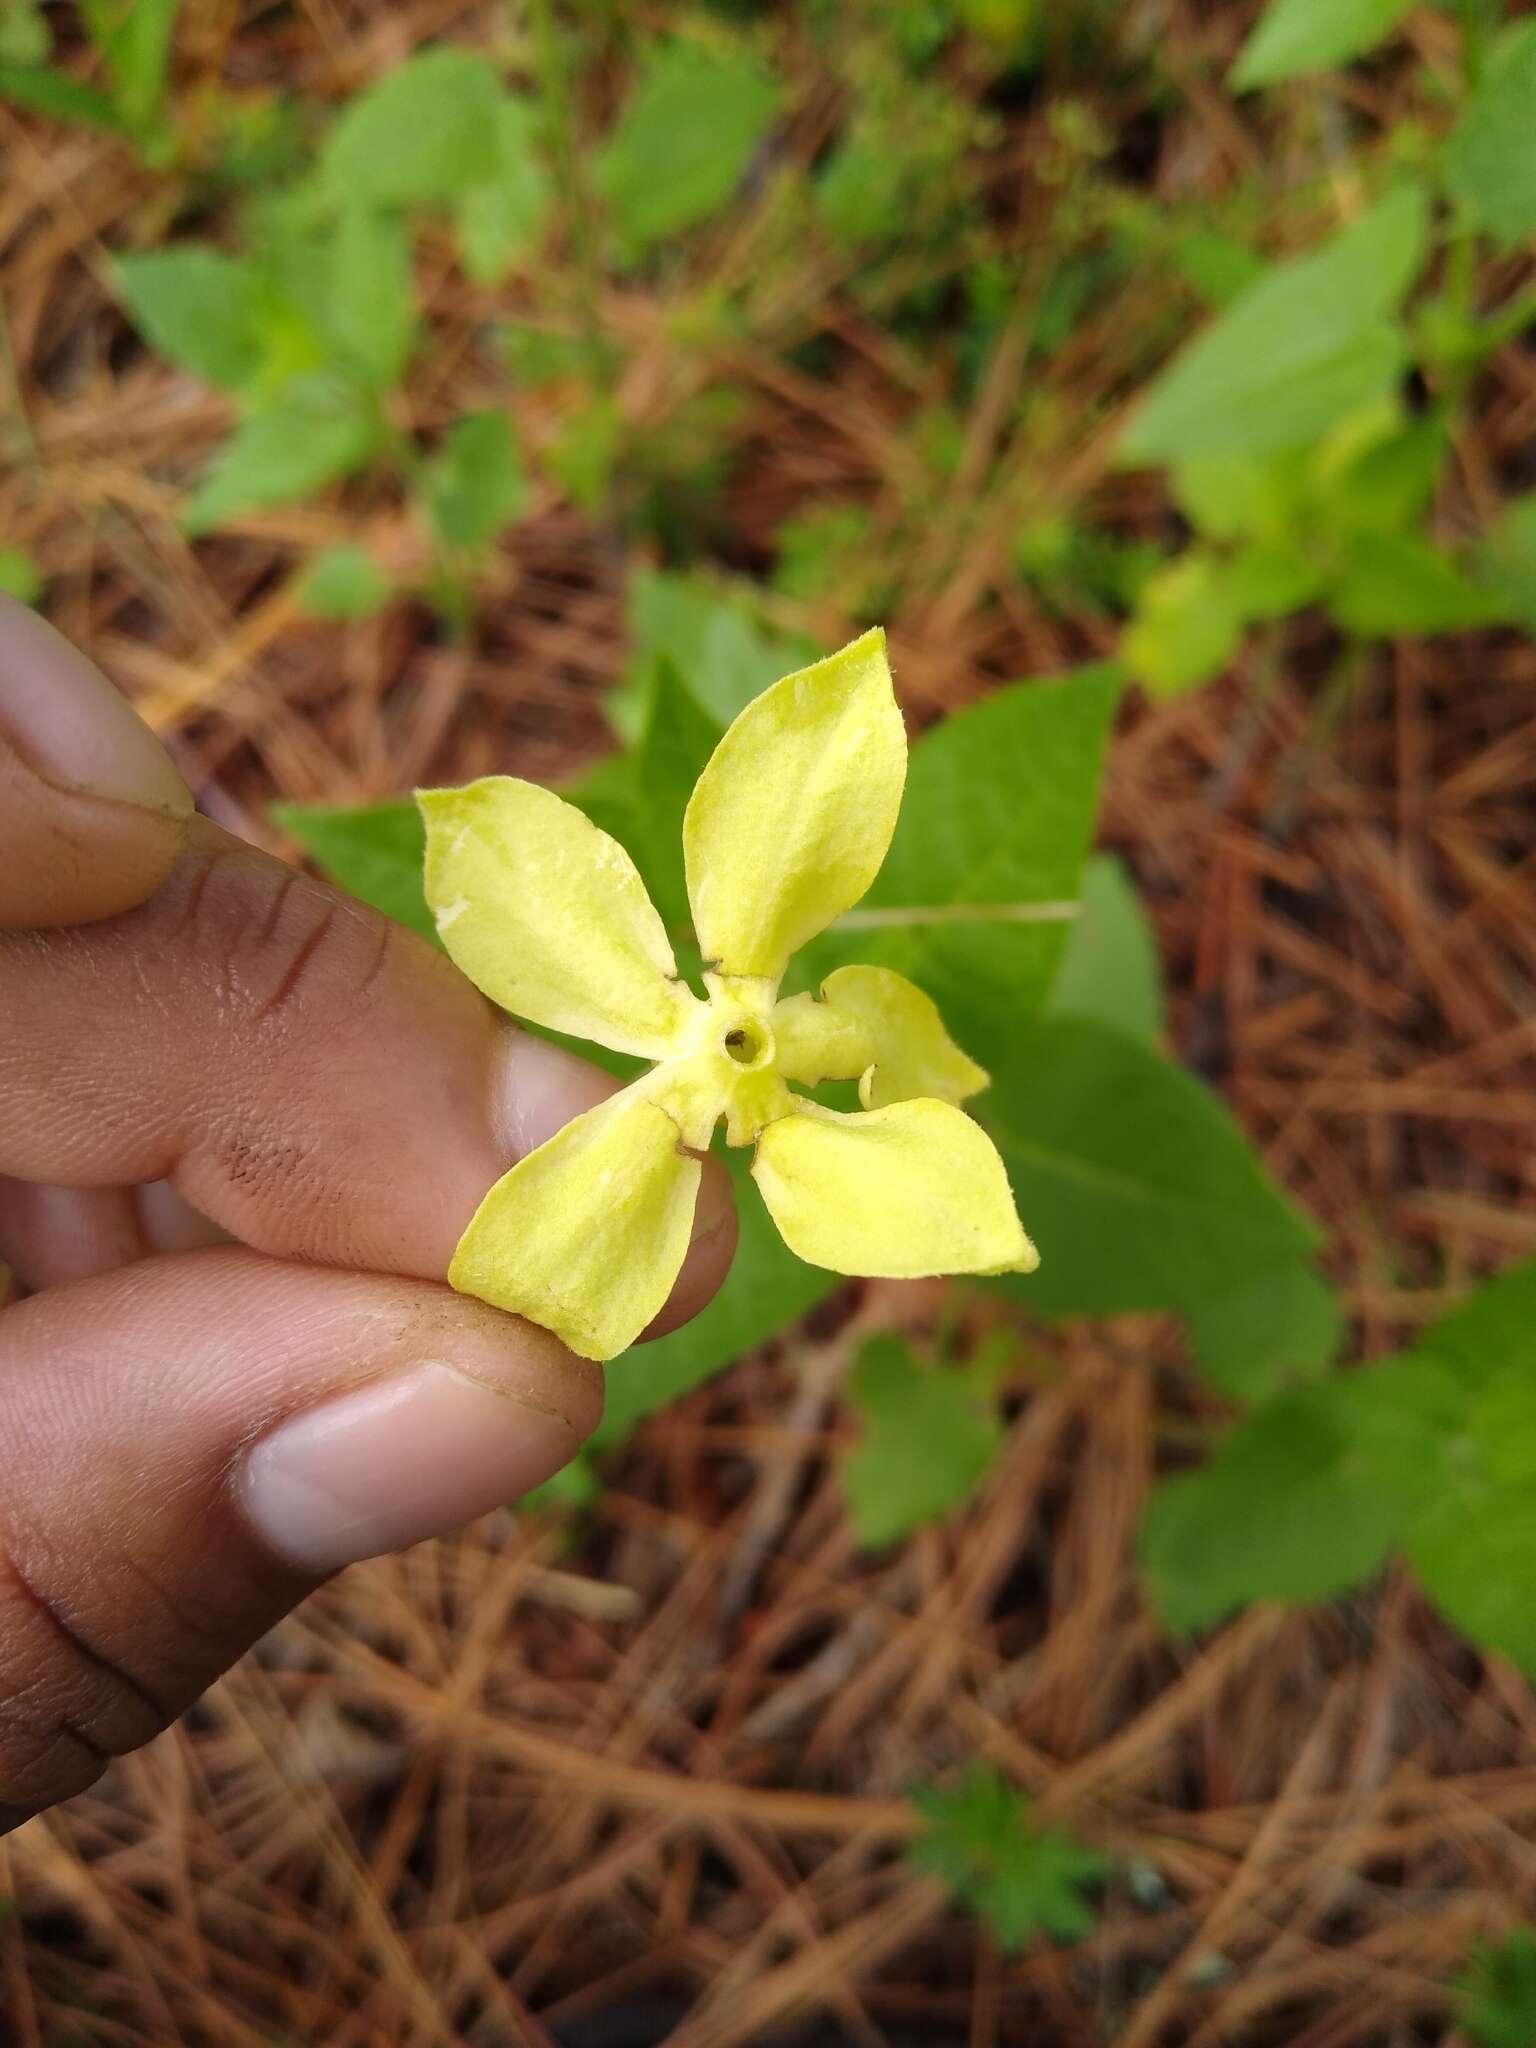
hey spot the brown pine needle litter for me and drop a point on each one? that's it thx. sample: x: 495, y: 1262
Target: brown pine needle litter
x: 650, y: 1789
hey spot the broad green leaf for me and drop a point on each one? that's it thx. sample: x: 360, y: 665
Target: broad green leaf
x: 678, y: 739
x: 1496, y: 1992
x: 1310, y: 341
x: 206, y: 311
x: 766, y: 1290
x: 1110, y: 968
x: 1187, y: 625
x: 476, y: 484
x: 1397, y: 583
x: 1280, y: 1327
x: 1489, y: 1336
x: 929, y: 1434
x: 1294, y: 37
x: 316, y: 431
x: 20, y: 576
x: 427, y: 132
x: 1506, y: 561
x: 1473, y: 1551
x: 999, y: 811
x: 710, y: 633
x: 1305, y: 1498
x: 344, y: 582
x: 372, y: 307
x: 689, y: 130
x: 374, y: 851
x: 1272, y: 579
x: 1021, y: 1879
x: 25, y: 39
x: 1236, y: 497
x: 1387, y: 482
x: 501, y: 220
x: 1490, y: 160
x: 42, y: 89
x: 1219, y: 268
x: 134, y: 37
x: 1132, y: 1179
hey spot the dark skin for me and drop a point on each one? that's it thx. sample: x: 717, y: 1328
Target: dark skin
x: 243, y: 1121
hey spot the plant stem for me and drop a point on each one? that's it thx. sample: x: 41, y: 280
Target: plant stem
x: 882, y: 918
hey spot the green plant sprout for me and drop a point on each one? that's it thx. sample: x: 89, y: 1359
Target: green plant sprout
x: 1307, y: 478
x: 1496, y: 1992
x: 1022, y: 1879
x: 785, y: 830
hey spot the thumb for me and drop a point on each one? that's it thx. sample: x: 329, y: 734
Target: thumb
x: 93, y: 815
x: 192, y: 1443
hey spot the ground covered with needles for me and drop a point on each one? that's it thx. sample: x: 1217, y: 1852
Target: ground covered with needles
x: 645, y: 1783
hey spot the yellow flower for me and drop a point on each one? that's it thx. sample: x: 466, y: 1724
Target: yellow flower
x: 785, y: 830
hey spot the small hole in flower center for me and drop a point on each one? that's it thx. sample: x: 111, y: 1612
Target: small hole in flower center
x: 744, y: 1045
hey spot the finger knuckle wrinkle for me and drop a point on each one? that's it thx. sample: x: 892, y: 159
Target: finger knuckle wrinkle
x: 65, y: 1709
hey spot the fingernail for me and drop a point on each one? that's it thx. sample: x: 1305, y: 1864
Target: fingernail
x: 539, y: 1089
x: 68, y: 723
x: 413, y: 1456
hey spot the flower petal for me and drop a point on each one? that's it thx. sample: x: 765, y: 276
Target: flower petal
x: 874, y: 1024
x: 586, y: 1235
x: 794, y: 811
x: 548, y: 915
x: 912, y: 1189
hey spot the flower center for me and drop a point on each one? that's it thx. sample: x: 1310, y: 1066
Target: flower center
x: 749, y: 1044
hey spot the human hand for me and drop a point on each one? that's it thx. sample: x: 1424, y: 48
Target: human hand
x: 243, y: 1122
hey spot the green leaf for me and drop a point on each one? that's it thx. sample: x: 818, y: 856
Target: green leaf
x: 712, y: 635
x: 134, y: 37
x: 677, y: 741
x: 206, y: 311
x: 25, y: 40
x: 316, y: 431
x: 1386, y: 482
x: 1472, y: 1551
x: 1281, y: 1326
x: 766, y: 1290
x: 1506, y: 561
x: 971, y: 835
x: 1397, y: 583
x: 1490, y: 160
x: 929, y: 1434
x: 1021, y: 1879
x: 688, y: 132
x: 584, y: 455
x: 476, y: 482
x: 344, y: 582
x: 1133, y: 1180
x: 1270, y: 580
x: 1187, y: 625
x: 1110, y: 968
x: 1310, y: 341
x: 1295, y: 37
x: 20, y: 576
x: 371, y: 315
x: 1496, y: 1992
x: 429, y: 131
x: 54, y: 94
x: 1305, y: 1498
x: 502, y: 220
x: 1218, y: 267
x: 374, y: 851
